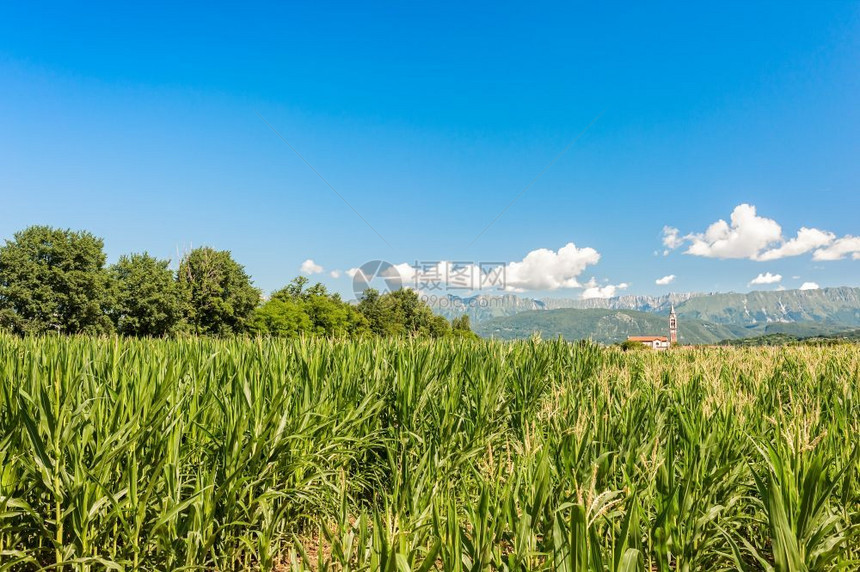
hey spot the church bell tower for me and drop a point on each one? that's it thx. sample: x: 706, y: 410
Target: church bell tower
x: 673, y: 327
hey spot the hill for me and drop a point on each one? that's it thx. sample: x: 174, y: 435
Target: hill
x: 601, y: 325
x: 782, y: 339
x: 703, y: 318
x: 835, y: 308
x: 796, y: 312
x: 484, y: 307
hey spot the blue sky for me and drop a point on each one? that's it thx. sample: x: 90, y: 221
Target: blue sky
x: 142, y: 125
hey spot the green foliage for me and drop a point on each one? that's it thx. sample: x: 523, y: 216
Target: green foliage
x: 628, y: 345
x: 408, y: 454
x: 461, y: 327
x: 794, y: 486
x: 412, y: 317
x: 217, y: 293
x: 439, y: 327
x: 852, y: 336
x: 147, y: 297
x: 281, y: 317
x: 401, y: 313
x: 54, y: 280
x: 378, y: 313
x: 330, y: 316
x: 296, y: 310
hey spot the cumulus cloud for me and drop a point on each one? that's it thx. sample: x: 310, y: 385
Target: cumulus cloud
x: 746, y: 236
x: 665, y: 280
x: 766, y: 278
x: 755, y: 237
x: 809, y: 286
x: 671, y: 239
x: 351, y: 272
x: 807, y: 239
x: 334, y: 273
x: 541, y: 269
x: 592, y: 290
x: 311, y: 267
x: 840, y: 249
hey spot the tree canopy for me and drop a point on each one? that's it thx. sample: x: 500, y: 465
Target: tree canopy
x: 218, y: 295
x: 54, y: 280
x: 297, y: 309
x: 147, y: 296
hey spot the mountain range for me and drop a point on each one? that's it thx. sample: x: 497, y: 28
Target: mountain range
x: 702, y: 317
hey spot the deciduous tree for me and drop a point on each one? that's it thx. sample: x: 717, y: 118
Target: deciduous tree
x: 147, y: 296
x: 217, y: 292
x: 54, y: 280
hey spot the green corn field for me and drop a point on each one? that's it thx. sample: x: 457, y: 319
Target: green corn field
x: 241, y: 454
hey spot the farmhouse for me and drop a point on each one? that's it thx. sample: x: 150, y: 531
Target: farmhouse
x: 660, y: 342
x: 653, y: 342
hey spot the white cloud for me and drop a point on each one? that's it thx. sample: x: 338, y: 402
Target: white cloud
x: 766, y: 278
x: 665, y: 280
x: 671, y: 239
x: 840, y: 249
x: 543, y: 269
x: 311, y: 267
x: 758, y: 238
x: 334, y: 273
x: 351, y: 272
x: 809, y: 286
x: 807, y: 239
x: 592, y: 290
x: 746, y: 237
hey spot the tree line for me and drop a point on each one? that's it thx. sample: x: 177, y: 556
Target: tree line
x: 56, y: 280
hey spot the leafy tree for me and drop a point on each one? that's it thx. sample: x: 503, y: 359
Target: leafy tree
x: 380, y: 317
x: 147, y: 296
x: 401, y: 313
x: 295, y: 309
x: 439, y: 327
x: 54, y: 280
x: 328, y: 314
x: 281, y: 317
x: 462, y: 327
x: 217, y: 293
x: 415, y: 315
x: 294, y: 289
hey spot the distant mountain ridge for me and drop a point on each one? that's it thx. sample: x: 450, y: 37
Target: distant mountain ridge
x: 482, y: 307
x: 732, y: 315
x: 598, y: 324
x: 627, y: 302
x: 832, y: 305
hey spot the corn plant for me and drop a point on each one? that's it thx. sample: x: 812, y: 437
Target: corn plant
x: 456, y: 455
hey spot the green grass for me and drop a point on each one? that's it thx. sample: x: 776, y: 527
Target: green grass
x: 420, y: 455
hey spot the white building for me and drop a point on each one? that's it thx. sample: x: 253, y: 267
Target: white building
x: 653, y: 342
x: 660, y: 342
